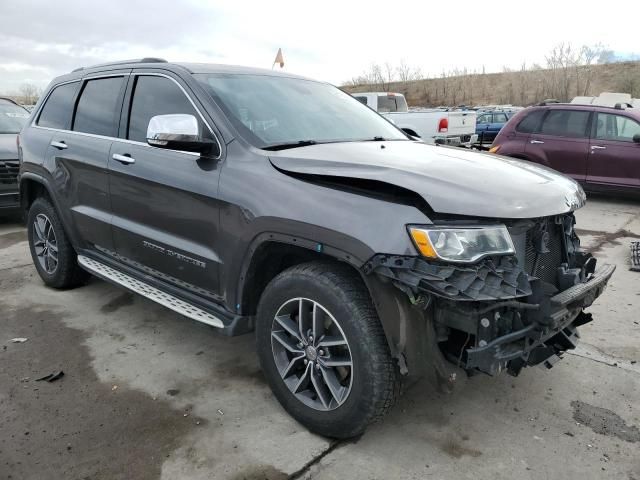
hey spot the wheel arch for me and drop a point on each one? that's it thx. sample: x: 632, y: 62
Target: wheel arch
x: 271, y: 253
x: 33, y: 186
x: 411, y: 132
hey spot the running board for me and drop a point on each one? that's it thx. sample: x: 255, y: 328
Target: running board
x: 137, y: 286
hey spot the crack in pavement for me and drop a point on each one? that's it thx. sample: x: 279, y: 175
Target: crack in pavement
x: 314, y: 461
x: 605, y: 237
x: 16, y: 266
x: 589, y: 352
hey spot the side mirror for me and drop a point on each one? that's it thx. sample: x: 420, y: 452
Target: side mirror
x: 178, y: 132
x: 636, y: 138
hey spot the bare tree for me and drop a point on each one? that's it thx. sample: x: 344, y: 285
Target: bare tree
x: 29, y: 93
x: 407, y: 73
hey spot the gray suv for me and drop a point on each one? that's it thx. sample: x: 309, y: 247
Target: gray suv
x: 252, y: 200
x: 12, y: 118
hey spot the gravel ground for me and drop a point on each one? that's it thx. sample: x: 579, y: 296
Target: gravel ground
x: 148, y: 394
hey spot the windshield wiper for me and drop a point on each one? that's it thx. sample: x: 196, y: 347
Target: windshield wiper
x: 284, y: 146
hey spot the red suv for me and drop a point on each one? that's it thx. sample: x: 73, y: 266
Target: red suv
x: 597, y: 146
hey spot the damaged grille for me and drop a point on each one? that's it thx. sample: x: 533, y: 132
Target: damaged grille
x: 9, y: 172
x: 544, y: 265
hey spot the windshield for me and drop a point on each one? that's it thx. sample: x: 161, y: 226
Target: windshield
x: 12, y: 117
x: 273, y: 110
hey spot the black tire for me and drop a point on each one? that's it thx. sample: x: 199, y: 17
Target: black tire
x: 67, y: 273
x: 375, y: 380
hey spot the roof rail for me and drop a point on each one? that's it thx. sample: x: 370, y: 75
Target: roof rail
x: 548, y: 101
x: 123, y: 62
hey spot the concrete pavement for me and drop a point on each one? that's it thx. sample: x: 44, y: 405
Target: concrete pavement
x: 149, y: 394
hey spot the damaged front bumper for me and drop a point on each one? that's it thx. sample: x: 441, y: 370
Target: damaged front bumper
x: 493, y: 316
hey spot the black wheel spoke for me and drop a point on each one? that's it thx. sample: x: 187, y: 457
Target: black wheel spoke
x: 286, y: 342
x: 289, y: 325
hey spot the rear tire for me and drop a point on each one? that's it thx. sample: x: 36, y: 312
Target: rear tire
x: 52, y: 253
x: 345, y: 377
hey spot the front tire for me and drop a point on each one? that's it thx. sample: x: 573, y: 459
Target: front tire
x: 52, y: 253
x: 323, y: 351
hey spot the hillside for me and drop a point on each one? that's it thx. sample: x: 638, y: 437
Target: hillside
x: 524, y: 87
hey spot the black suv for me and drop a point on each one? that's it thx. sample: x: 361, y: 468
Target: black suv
x: 12, y: 118
x: 253, y: 200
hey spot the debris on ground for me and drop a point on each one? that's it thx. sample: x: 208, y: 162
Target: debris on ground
x: 220, y: 412
x: 635, y: 256
x: 19, y: 340
x: 52, y: 377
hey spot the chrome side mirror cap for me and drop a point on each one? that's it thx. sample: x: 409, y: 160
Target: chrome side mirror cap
x: 178, y: 131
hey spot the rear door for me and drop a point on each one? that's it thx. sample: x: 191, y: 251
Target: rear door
x: 165, y: 206
x: 562, y: 142
x: 615, y: 158
x: 78, y: 153
x: 482, y: 127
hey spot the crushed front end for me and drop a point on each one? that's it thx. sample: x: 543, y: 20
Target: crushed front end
x: 507, y: 311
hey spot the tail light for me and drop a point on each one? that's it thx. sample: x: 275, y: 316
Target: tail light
x: 443, y: 126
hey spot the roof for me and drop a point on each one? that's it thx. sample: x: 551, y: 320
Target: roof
x: 634, y: 112
x: 152, y: 62
x: 7, y: 99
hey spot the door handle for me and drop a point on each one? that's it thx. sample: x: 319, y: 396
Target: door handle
x: 59, y: 145
x: 598, y: 147
x: 536, y: 142
x: 125, y: 159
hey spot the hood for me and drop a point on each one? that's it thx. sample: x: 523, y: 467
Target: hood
x: 451, y: 180
x: 8, y: 148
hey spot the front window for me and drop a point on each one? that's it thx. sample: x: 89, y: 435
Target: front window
x: 12, y: 117
x: 616, y: 127
x: 272, y: 110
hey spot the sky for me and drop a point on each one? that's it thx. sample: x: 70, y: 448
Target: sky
x: 329, y: 40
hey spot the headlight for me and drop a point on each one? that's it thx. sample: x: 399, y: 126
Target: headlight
x: 462, y: 244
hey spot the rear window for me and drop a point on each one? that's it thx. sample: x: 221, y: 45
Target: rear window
x: 99, y: 106
x: 566, y: 123
x: 531, y: 122
x: 12, y: 117
x: 56, y: 112
x: 361, y: 99
x: 393, y: 103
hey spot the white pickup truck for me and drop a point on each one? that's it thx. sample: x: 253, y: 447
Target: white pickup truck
x: 431, y: 125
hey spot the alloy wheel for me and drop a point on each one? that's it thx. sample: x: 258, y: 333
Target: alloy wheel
x: 312, y: 354
x: 45, y: 243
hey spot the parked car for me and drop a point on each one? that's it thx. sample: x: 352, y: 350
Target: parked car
x: 12, y: 118
x: 488, y: 124
x: 431, y: 125
x: 249, y: 199
x: 597, y: 146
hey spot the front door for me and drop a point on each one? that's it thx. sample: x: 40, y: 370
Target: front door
x: 614, y: 160
x: 164, y: 202
x: 562, y: 142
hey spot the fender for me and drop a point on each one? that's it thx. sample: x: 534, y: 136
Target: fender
x: 352, y: 252
x: 23, y: 196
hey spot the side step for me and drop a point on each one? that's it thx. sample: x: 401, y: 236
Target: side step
x: 137, y: 286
